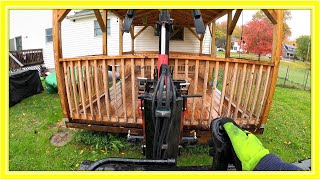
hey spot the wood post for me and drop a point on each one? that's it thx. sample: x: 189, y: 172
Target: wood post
x: 234, y: 21
x: 57, y: 47
x: 120, y: 37
x: 276, y: 52
x: 213, y: 38
x: 228, y: 41
x: 105, y: 33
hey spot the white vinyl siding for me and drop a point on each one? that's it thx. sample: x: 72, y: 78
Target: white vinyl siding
x: 78, y: 36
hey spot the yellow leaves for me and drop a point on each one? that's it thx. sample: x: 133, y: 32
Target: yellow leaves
x: 287, y: 143
x: 81, y: 151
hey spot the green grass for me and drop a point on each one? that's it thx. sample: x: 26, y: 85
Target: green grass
x: 33, y: 121
x: 288, y: 132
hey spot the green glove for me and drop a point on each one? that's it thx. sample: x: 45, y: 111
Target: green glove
x: 247, y: 146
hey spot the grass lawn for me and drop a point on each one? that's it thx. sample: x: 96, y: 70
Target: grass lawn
x: 33, y: 121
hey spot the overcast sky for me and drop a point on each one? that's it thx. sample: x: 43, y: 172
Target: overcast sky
x: 299, y: 23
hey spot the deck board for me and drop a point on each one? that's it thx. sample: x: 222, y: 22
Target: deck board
x: 205, y: 120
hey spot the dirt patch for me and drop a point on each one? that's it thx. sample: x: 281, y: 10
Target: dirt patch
x: 61, y: 138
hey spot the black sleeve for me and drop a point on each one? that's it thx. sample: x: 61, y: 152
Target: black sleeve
x: 272, y: 162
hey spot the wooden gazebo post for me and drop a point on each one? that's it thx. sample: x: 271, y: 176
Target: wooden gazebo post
x: 120, y: 37
x: 276, y: 17
x: 213, y: 38
x: 58, y: 16
x: 228, y: 39
x: 105, y: 33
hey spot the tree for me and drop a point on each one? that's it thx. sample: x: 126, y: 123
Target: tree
x: 286, y: 29
x: 221, y: 33
x: 303, y: 50
x: 258, y: 36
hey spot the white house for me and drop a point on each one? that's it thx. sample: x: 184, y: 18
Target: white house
x: 81, y: 35
x: 236, y: 46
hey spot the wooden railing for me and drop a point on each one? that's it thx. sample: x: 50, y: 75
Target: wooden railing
x: 229, y: 87
x: 27, y: 58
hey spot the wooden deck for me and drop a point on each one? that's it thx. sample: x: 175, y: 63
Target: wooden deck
x: 117, y: 109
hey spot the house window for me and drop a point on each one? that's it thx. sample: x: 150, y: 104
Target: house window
x: 179, y: 35
x: 49, y: 35
x: 97, y: 29
x: 235, y: 48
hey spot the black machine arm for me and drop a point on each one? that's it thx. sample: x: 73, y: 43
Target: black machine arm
x: 128, y: 21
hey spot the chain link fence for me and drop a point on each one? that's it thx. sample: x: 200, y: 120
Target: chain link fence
x: 295, y: 75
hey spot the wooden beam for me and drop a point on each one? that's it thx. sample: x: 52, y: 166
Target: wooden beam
x: 213, y: 38
x: 145, y: 13
x: 120, y: 37
x: 62, y: 13
x: 141, y: 30
x: 271, y: 14
x: 57, y: 49
x: 222, y: 14
x: 100, y: 20
x: 234, y: 21
x: 228, y: 41
x: 116, y: 13
x: 277, y: 47
x: 175, y: 31
x: 105, y: 33
x: 194, y: 33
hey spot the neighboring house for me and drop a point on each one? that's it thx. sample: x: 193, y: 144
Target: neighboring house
x: 288, y: 51
x: 81, y: 35
x: 235, y: 45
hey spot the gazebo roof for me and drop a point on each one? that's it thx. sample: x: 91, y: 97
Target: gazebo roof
x: 182, y: 17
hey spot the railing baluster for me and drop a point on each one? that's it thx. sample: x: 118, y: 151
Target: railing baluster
x: 264, y: 94
x: 124, y: 105
x: 73, y: 82
x: 89, y: 89
x: 80, y: 81
x: 106, y: 88
x: 175, y: 69
x: 142, y: 67
x: 186, y: 69
x: 225, y: 77
x: 195, y: 89
x: 67, y: 87
x: 213, y: 94
x: 205, y: 83
x: 97, y: 89
x: 133, y: 91
x: 257, y: 89
x: 114, y: 84
x: 242, y: 82
x: 232, y: 88
x: 248, y: 91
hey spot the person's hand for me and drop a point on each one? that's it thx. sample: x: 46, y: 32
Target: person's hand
x: 247, y: 146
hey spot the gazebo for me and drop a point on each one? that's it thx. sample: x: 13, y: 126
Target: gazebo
x: 90, y: 100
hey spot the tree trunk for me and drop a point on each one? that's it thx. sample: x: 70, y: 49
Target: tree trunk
x: 259, y: 57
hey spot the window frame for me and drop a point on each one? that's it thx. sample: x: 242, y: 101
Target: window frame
x: 48, y: 35
x: 96, y: 27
